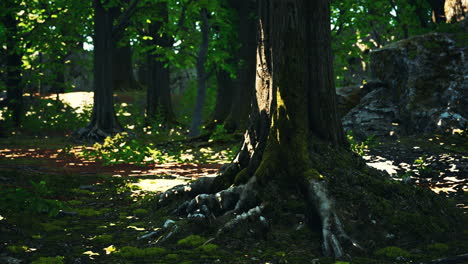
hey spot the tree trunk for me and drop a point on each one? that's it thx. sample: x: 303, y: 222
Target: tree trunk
x: 202, y: 76
x: 455, y: 10
x: 225, y: 91
x: 295, y: 151
x: 14, y: 99
x: 122, y: 68
x: 245, y: 83
x: 159, y: 102
x: 103, y: 120
x: 438, y: 14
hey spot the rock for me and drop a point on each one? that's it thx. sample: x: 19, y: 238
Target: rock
x: 423, y: 88
x: 350, y: 96
x: 10, y: 260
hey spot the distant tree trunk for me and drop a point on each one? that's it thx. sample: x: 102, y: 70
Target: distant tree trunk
x: 245, y: 83
x: 223, y: 104
x: 438, y: 14
x: 157, y: 75
x: 202, y: 76
x: 455, y: 10
x: 122, y: 68
x: 103, y: 120
x: 14, y: 99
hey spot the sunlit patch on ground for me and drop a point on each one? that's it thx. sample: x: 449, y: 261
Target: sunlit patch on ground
x: 158, y: 185
x: 76, y: 99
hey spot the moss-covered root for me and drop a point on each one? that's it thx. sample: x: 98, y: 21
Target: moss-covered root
x: 332, y: 229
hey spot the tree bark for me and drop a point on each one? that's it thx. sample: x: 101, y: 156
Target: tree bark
x: 202, y: 76
x: 159, y: 102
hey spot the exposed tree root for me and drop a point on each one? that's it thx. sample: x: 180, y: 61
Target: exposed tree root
x: 240, y: 205
x: 94, y: 134
x: 332, y: 230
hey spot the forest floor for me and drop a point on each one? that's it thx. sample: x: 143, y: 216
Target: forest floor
x: 57, y: 206
x: 61, y: 208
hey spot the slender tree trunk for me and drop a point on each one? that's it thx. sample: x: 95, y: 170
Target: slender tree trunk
x: 222, y: 108
x: 245, y: 83
x: 14, y: 98
x: 103, y: 120
x: 438, y: 14
x: 202, y: 76
x: 158, y: 76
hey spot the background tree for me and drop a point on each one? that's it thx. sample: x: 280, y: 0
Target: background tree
x: 159, y: 104
x: 106, y: 31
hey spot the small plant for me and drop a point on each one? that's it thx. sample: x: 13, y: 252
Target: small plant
x: 421, y: 165
x: 360, y: 147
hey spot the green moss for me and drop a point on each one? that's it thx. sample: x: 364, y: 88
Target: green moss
x: 80, y: 191
x: 242, y: 177
x: 53, y: 226
x: 17, y: 249
x: 74, y: 202
x: 140, y: 212
x: 192, y: 241
x: 208, y: 248
x: 172, y: 256
x: 88, y: 212
x: 133, y: 252
x: 438, y: 248
x: 49, y: 260
x: 392, y: 252
x: 103, y: 239
x: 312, y: 174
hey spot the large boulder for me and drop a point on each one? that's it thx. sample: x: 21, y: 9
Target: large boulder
x: 424, y: 86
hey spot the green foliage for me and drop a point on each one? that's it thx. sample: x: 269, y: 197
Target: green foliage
x: 392, y: 253
x: 49, y: 260
x: 20, y: 199
x: 360, y: 26
x: 360, y: 147
x: 220, y: 133
x: 45, y: 115
x: 124, y: 149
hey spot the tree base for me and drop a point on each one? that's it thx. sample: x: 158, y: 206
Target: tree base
x: 94, y: 134
x: 352, y: 211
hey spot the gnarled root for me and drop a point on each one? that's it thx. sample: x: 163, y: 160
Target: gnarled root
x: 332, y: 229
